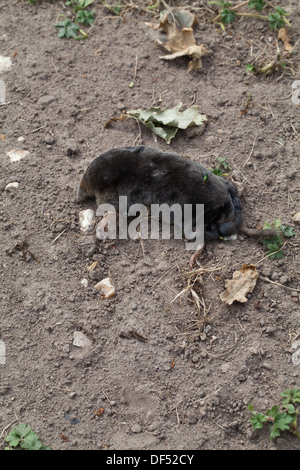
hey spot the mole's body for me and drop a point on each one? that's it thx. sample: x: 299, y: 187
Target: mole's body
x: 149, y: 176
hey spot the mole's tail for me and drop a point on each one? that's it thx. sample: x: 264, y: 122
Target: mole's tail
x: 263, y: 233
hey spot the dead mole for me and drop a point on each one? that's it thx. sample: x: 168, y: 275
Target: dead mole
x: 149, y: 176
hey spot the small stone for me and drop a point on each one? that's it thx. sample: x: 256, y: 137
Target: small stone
x: 87, y: 245
x: 296, y: 218
x: 2, y: 92
x: 296, y: 354
x: 225, y: 367
x: 81, y: 340
x: 87, y: 220
x: 17, y: 155
x: 2, y: 352
x: 12, y: 186
x: 46, y: 100
x: 49, y: 140
x: 136, y: 428
x: 96, y: 274
x: 84, y: 282
x: 5, y: 63
x: 106, y: 288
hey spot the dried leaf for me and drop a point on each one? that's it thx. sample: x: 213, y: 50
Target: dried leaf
x: 195, y: 52
x: 283, y: 35
x: 178, y: 27
x: 166, y: 122
x: 242, y: 283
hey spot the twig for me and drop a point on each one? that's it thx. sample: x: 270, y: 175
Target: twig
x: 273, y: 253
x: 8, y: 426
x: 253, y: 144
x: 278, y: 284
x: 39, y: 128
x: 108, y: 399
x: 62, y: 389
x: 136, y: 67
x: 209, y: 395
x: 138, y: 139
x: 58, y: 236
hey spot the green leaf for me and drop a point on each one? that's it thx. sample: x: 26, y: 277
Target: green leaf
x: 291, y: 410
x: 116, y: 9
x: 85, y: 17
x: 68, y: 29
x: 288, y: 231
x: 166, y: 122
x: 13, y: 439
x: 291, y: 396
x: 228, y: 16
x: 23, y: 430
x: 24, y: 437
x: 276, y: 20
x: 31, y: 442
x: 258, y: 5
x: 258, y: 420
x: 281, y: 11
x: 272, y: 412
x: 81, y: 4
x: 166, y: 133
x: 250, y: 68
x: 282, y: 422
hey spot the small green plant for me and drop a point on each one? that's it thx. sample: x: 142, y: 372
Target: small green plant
x: 257, y: 5
x: 68, y: 29
x: 79, y: 4
x: 229, y: 13
x: 276, y: 64
x: 115, y: 9
x: 250, y: 68
x: 86, y: 18
x: 221, y: 167
x: 23, y: 437
x: 279, y: 420
x: 276, y: 242
x: 277, y: 19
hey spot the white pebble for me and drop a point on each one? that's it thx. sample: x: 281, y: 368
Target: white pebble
x: 5, y: 63
x: 11, y: 186
x: 296, y: 218
x: 87, y: 220
x: 17, y: 155
x: 296, y: 354
x: 81, y: 340
x: 84, y: 282
x: 2, y: 352
x: 2, y: 92
x: 106, y: 287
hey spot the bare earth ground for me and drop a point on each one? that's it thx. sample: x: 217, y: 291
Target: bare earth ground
x: 188, y: 385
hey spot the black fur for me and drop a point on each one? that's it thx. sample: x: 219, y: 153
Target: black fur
x: 148, y: 176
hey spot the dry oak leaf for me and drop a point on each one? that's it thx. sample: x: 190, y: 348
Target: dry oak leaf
x: 242, y: 283
x: 283, y: 35
x: 178, y: 27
